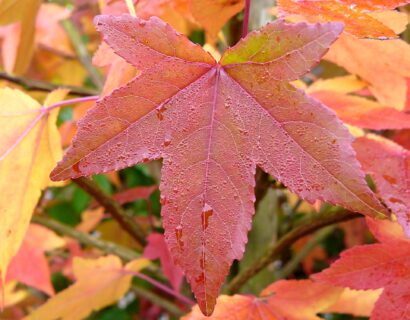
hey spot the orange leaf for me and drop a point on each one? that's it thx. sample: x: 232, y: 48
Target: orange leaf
x: 285, y: 299
x: 30, y: 146
x: 357, y: 21
x: 100, y: 282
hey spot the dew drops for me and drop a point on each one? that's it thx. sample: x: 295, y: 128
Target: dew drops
x: 76, y: 167
x: 207, y: 211
x: 160, y: 111
x: 178, y: 235
x: 389, y: 179
x: 167, y: 142
x: 142, y: 23
x: 162, y: 200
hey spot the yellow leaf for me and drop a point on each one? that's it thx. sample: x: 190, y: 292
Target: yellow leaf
x: 344, y: 84
x: 100, y: 282
x: 356, y: 302
x: 24, y: 12
x: 29, y: 148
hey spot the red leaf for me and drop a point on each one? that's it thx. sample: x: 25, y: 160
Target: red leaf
x: 157, y: 248
x: 134, y: 194
x: 363, y: 112
x: 389, y: 163
x: 385, y: 265
x: 30, y: 265
x: 285, y: 299
x: 213, y: 123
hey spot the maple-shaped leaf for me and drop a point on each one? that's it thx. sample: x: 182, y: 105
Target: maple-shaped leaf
x: 30, y: 145
x: 389, y: 164
x: 362, y: 112
x: 100, y: 282
x: 382, y: 265
x: 356, y: 17
x: 157, y: 248
x: 29, y: 265
x: 285, y: 299
x: 213, y: 123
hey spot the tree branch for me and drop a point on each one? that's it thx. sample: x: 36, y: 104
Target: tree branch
x: 113, y: 207
x: 30, y: 84
x: 291, y: 266
x: 158, y: 300
x: 84, y: 238
x: 306, y: 226
x: 82, y: 52
x: 110, y: 248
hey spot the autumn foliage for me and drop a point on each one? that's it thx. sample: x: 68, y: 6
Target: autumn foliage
x: 195, y: 159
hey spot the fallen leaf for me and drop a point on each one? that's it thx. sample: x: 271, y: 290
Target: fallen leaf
x: 30, y: 146
x: 212, y: 124
x: 100, y: 282
x: 285, y: 299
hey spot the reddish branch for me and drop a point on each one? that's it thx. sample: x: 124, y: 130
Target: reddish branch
x: 113, y: 207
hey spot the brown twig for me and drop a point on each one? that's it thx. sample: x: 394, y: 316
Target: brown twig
x: 84, y: 238
x: 110, y: 248
x: 30, y: 84
x: 158, y: 300
x: 112, y: 207
x: 306, y: 226
x: 82, y: 52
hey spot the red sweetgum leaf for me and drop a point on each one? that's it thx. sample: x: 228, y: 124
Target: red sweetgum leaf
x: 157, y: 248
x: 362, y: 112
x: 357, y: 21
x: 213, y: 123
x: 285, y: 299
x: 29, y: 265
x: 389, y: 164
x: 383, y: 265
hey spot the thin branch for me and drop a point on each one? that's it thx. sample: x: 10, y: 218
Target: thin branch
x: 110, y: 248
x: 291, y: 266
x: 245, y: 24
x: 82, y: 52
x: 158, y: 300
x: 30, y: 84
x: 305, y: 227
x: 71, y: 101
x: 162, y: 287
x: 113, y: 207
x: 84, y: 238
